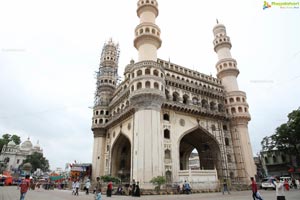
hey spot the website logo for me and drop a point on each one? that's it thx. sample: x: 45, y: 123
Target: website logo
x: 281, y: 4
x: 266, y: 5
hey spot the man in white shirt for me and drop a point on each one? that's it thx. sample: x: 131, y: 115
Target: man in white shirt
x: 77, y: 186
x: 279, y: 189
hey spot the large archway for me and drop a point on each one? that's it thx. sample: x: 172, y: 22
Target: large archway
x: 121, y: 158
x: 198, y: 140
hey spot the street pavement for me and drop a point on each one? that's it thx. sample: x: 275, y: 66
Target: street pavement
x: 12, y: 193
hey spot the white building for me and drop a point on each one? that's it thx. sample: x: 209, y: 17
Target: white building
x: 14, y: 155
x: 149, y: 124
x: 194, y: 162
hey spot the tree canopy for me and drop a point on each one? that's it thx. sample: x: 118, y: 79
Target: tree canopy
x: 37, y: 160
x: 108, y: 178
x: 6, y: 138
x: 158, y: 180
x: 286, y: 137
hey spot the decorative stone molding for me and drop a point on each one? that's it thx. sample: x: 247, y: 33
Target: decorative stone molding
x: 228, y: 72
x: 143, y: 6
x: 147, y: 38
x: 99, y: 132
x: 147, y: 99
x: 222, y: 42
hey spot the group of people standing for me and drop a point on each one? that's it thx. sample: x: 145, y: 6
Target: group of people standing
x: 134, y: 191
x: 279, y: 186
x: 75, y: 187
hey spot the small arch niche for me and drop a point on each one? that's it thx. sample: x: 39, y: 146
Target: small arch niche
x: 166, y: 134
x: 166, y: 117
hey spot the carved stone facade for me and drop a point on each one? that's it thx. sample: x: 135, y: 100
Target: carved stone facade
x: 149, y: 124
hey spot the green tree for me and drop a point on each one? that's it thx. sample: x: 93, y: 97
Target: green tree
x: 16, y: 139
x: 108, y: 178
x: 286, y: 137
x: 37, y: 160
x: 159, y: 180
x: 6, y: 138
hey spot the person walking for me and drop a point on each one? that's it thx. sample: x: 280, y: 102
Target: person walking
x: 109, y: 189
x: 24, y: 186
x: 225, y: 186
x: 73, y: 187
x: 98, y: 189
x: 87, y: 186
x: 279, y: 188
x: 297, y: 183
x: 255, y: 193
x: 77, y: 186
x: 286, y: 185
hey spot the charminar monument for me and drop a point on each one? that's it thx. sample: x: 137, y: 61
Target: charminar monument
x: 149, y: 124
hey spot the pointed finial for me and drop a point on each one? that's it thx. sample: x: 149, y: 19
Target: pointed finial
x: 217, y: 21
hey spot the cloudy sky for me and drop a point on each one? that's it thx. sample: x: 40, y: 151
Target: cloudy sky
x: 50, y: 50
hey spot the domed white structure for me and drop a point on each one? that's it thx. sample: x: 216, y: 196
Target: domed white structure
x: 27, y: 145
x: 14, y: 154
x: 11, y: 144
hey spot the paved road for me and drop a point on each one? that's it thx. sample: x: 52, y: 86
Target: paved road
x: 11, y: 193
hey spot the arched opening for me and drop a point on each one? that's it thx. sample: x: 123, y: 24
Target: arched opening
x: 207, y: 147
x: 185, y: 99
x: 147, y: 71
x: 139, y: 73
x: 233, y: 111
x: 212, y: 106
x: 167, y: 93
x: 266, y: 160
x: 121, y: 158
x: 240, y: 109
x: 204, y: 103
x: 166, y: 134
x: 139, y: 85
x: 148, y: 85
x: 175, y: 96
x: 194, y: 162
x: 226, y: 141
x: 166, y: 117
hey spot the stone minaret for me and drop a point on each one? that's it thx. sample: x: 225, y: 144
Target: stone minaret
x: 236, y: 105
x: 147, y: 87
x: 106, y: 85
x: 147, y: 33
